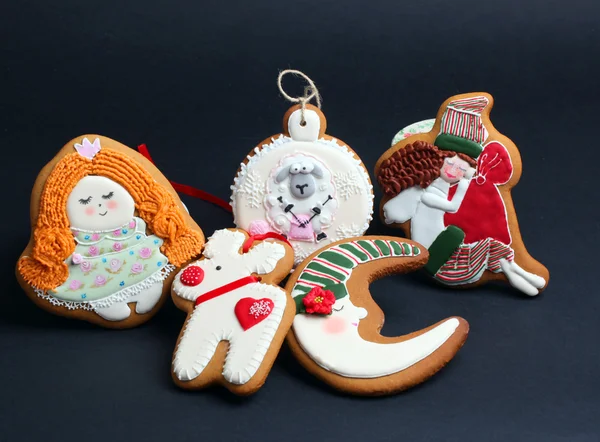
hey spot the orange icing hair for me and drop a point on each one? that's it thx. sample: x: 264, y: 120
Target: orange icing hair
x: 53, y: 241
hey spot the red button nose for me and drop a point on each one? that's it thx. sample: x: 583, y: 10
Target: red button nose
x: 192, y: 276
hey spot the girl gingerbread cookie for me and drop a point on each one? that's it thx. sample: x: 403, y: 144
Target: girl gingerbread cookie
x: 335, y: 334
x: 449, y: 189
x: 303, y: 184
x: 108, y: 230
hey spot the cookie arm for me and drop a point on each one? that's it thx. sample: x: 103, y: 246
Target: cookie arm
x: 450, y: 206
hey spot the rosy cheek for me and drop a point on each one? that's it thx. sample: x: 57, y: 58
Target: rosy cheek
x: 112, y: 204
x: 90, y: 211
x: 335, y: 325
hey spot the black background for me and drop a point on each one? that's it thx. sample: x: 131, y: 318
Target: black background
x: 195, y: 80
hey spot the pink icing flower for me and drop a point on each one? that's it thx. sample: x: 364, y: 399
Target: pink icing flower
x: 77, y: 258
x: 95, y: 237
x: 117, y: 247
x: 93, y: 251
x: 137, y: 268
x: 85, y: 266
x: 75, y: 284
x: 117, y: 232
x: 115, y: 264
x: 99, y: 280
x: 408, y: 134
x: 132, y: 224
x: 145, y: 253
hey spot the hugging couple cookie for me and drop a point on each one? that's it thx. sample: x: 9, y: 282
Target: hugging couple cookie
x: 110, y: 238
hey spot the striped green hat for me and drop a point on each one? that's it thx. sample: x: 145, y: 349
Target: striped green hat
x: 331, y: 269
x: 461, y: 129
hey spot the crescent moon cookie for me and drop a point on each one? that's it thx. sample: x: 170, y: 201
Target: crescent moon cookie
x: 237, y: 316
x: 335, y: 334
x: 450, y: 190
x: 108, y: 230
x: 303, y: 184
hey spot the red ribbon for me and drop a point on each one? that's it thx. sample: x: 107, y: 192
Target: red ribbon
x: 260, y: 237
x: 189, y: 190
x: 226, y: 288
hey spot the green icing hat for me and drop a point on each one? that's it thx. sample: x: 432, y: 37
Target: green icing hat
x: 461, y: 128
x: 331, y: 269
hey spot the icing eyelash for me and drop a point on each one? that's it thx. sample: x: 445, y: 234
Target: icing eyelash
x: 338, y: 310
x: 108, y: 196
x: 85, y: 201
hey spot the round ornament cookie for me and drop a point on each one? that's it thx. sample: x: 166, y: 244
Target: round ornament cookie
x: 335, y: 334
x: 306, y: 185
x: 108, y: 230
x: 237, y: 316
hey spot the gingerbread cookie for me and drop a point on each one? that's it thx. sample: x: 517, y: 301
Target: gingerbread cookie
x: 335, y: 334
x: 304, y: 184
x: 450, y: 190
x: 237, y: 317
x: 107, y: 232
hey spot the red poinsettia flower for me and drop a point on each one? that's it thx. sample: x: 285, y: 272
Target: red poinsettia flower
x: 319, y: 301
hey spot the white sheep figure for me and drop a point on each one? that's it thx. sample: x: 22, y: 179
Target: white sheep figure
x: 301, y: 198
x: 230, y: 304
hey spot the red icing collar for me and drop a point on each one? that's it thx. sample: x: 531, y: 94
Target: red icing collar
x: 227, y: 288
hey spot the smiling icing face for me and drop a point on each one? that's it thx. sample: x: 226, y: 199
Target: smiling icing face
x: 344, y: 317
x: 454, y: 169
x: 343, y: 320
x: 99, y: 204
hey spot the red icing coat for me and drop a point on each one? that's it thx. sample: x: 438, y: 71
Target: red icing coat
x: 482, y: 213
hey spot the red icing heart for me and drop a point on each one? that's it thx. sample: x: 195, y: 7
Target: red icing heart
x: 250, y: 311
x: 192, y: 276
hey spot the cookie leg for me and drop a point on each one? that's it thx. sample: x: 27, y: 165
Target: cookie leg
x: 147, y: 298
x: 533, y: 279
x: 247, y: 349
x: 195, y: 349
x: 517, y: 280
x: 115, y: 312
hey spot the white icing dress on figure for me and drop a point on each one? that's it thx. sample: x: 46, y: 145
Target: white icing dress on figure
x: 306, y: 186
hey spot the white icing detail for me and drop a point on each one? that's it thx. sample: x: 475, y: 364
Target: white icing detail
x: 253, y: 189
x: 348, y: 184
x: 99, y: 204
x: 300, y: 254
x: 338, y: 159
x: 351, y: 231
x: 125, y: 295
x: 307, y: 132
x: 214, y: 320
x: 260, y: 308
x: 342, y: 350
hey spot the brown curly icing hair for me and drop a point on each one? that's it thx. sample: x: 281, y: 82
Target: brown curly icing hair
x: 418, y: 163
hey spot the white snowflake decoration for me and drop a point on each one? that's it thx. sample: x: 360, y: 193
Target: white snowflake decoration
x: 260, y: 308
x: 353, y: 230
x: 254, y: 189
x: 299, y: 253
x: 347, y: 184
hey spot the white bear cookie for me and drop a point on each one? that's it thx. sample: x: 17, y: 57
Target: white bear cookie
x: 303, y: 184
x: 237, y: 315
